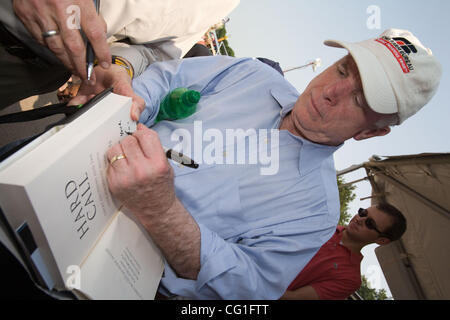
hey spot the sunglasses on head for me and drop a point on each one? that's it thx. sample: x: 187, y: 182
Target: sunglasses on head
x: 370, y: 223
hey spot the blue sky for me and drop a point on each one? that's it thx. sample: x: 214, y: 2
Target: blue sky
x: 292, y: 32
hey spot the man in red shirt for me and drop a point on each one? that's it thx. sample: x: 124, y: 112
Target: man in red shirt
x: 334, y: 272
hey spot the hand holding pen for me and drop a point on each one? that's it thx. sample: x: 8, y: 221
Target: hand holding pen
x: 170, y: 154
x: 55, y: 26
x: 138, y: 172
x: 112, y: 76
x: 90, y: 55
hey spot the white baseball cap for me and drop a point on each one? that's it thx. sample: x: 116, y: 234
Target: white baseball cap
x: 398, y: 74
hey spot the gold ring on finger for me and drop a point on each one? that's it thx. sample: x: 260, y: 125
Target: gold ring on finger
x: 117, y: 157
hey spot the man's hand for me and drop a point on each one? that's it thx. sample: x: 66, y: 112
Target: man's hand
x: 40, y: 16
x: 143, y: 181
x: 116, y: 77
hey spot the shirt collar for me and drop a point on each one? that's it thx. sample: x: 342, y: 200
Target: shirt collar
x: 311, y: 154
x: 286, y: 97
x: 354, y: 257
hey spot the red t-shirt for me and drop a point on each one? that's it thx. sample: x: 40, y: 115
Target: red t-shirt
x: 334, y: 272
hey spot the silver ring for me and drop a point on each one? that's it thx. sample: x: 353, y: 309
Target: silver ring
x: 50, y: 33
x: 117, y: 157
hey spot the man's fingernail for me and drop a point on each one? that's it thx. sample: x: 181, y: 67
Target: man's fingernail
x: 105, y: 65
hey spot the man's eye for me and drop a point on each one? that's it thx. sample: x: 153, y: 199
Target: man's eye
x: 341, y: 71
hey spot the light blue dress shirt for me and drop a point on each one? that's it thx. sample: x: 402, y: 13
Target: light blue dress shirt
x: 257, y: 231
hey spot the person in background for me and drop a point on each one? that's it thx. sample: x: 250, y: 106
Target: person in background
x: 334, y: 272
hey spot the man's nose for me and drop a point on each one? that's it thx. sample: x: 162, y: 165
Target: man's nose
x: 335, y: 92
x: 359, y: 220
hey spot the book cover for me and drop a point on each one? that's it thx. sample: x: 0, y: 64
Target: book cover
x: 58, y: 187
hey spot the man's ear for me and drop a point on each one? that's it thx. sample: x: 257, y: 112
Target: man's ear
x: 382, y: 241
x: 369, y: 133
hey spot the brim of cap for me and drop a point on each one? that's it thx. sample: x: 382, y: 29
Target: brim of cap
x: 377, y: 87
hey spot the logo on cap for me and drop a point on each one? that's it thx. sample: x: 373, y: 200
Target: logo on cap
x: 400, y: 48
x: 405, y: 45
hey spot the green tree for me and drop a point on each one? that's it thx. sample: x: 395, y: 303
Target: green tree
x: 346, y: 196
x: 222, y: 32
x: 367, y: 293
x: 229, y: 51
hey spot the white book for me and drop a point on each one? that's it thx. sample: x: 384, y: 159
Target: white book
x: 55, y: 189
